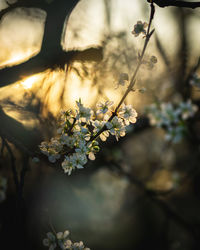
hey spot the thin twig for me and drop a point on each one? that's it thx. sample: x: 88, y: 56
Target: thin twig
x: 154, y: 195
x: 133, y: 78
x: 22, y: 176
x: 2, y: 146
x: 147, y: 38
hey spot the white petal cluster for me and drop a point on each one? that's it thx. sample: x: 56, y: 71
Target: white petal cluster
x: 76, y: 142
x: 76, y: 160
x: 187, y: 109
x: 62, y: 240
x: 50, y: 241
x: 172, y: 118
x: 128, y: 114
x: 116, y: 127
x: 103, y: 107
x: 51, y: 149
x: 83, y: 114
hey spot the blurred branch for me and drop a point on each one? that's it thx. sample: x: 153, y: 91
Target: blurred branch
x: 2, y: 146
x: 22, y: 177
x: 167, y: 3
x: 51, y: 54
x: 156, y: 198
x: 182, y: 53
x: 41, y: 63
x: 12, y: 131
x: 13, y: 166
x: 188, y: 87
x: 162, y: 52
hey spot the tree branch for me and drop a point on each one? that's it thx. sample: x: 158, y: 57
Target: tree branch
x: 13, y: 165
x: 156, y: 198
x: 51, y: 54
x: 176, y: 3
x: 40, y: 63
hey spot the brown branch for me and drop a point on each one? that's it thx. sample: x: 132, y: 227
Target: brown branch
x: 22, y: 176
x: 182, y: 4
x: 12, y: 131
x: 42, y: 62
x: 51, y: 54
x: 162, y: 52
x: 13, y: 165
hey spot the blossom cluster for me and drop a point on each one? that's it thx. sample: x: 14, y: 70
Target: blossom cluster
x: 172, y: 118
x: 79, y: 130
x: 3, y: 187
x: 61, y: 240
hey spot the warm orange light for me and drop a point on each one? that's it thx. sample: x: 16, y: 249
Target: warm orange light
x: 29, y: 81
x: 18, y: 58
x: 79, y: 89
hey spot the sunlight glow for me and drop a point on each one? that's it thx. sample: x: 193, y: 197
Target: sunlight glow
x: 77, y: 89
x: 17, y: 58
x: 13, y: 60
x: 29, y: 81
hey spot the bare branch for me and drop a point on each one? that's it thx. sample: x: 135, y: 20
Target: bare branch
x: 183, y: 4
x: 13, y: 165
x: 51, y: 54
x: 42, y: 62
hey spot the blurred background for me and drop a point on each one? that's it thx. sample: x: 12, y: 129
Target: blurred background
x: 142, y: 191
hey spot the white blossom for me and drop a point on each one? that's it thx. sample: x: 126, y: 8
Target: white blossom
x: 67, y: 165
x: 76, y: 139
x: 78, y: 160
x: 50, y: 241
x: 128, y: 114
x: 103, y: 107
x: 84, y: 114
x: 187, y: 109
x: 104, y: 135
x: 116, y: 127
x: 62, y: 241
x: 82, y: 148
x: 98, y: 125
x: 172, y: 118
x: 68, y: 140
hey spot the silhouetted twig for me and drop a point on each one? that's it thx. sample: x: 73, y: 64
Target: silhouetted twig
x: 13, y: 166
x: 156, y: 197
x: 183, y: 4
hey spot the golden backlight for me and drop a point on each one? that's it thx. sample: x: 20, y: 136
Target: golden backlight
x: 58, y: 89
x: 28, y: 82
x: 18, y: 57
